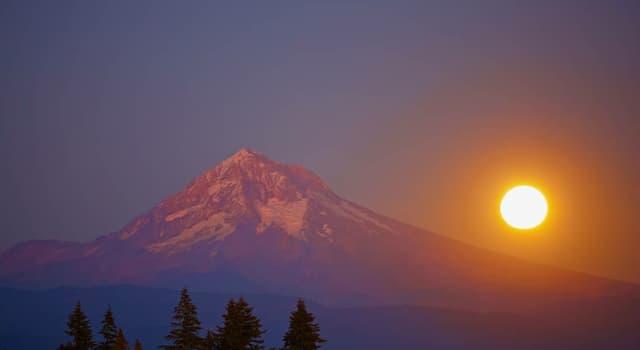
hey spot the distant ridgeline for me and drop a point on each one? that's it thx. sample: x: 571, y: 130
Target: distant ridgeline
x: 37, y: 319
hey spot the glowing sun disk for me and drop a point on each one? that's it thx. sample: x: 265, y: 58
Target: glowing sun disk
x: 524, y: 207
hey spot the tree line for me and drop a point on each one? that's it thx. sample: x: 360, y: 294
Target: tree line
x: 240, y: 330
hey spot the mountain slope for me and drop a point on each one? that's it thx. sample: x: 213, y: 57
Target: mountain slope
x: 252, y: 224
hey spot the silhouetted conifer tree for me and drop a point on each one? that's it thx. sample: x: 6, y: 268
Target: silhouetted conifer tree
x: 210, y: 341
x: 137, y: 346
x: 109, y: 331
x: 79, y: 329
x: 120, y: 341
x: 67, y: 346
x: 185, y: 326
x: 304, y: 332
x: 241, y: 330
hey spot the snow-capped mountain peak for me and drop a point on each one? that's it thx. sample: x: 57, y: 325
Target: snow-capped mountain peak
x: 247, y: 192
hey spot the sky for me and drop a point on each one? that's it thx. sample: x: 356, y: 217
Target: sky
x: 425, y: 111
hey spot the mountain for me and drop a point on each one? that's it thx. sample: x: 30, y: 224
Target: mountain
x: 251, y: 224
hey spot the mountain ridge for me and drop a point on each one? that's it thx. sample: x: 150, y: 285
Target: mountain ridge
x: 257, y: 224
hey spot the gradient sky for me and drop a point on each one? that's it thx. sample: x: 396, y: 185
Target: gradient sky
x: 424, y: 111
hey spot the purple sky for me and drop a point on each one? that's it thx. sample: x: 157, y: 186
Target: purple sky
x: 422, y: 111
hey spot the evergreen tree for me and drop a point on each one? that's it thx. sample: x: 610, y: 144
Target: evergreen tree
x: 137, y: 346
x: 304, y: 332
x: 210, y: 341
x: 79, y: 328
x: 185, y: 326
x: 67, y: 346
x: 109, y: 331
x: 241, y: 330
x: 120, y: 341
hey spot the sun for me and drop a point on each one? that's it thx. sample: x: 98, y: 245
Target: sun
x: 523, y: 207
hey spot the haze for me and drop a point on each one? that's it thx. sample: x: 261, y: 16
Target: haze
x: 423, y: 112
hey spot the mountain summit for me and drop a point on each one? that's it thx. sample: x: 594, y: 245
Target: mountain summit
x: 247, y: 187
x: 251, y: 224
x: 246, y: 192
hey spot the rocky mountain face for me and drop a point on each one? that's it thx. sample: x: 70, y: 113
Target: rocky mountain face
x: 251, y: 224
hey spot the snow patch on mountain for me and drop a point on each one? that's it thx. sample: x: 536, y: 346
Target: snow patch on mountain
x: 215, y: 227
x: 349, y: 211
x: 287, y: 215
x: 326, y: 232
x: 221, y: 186
x: 181, y: 213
